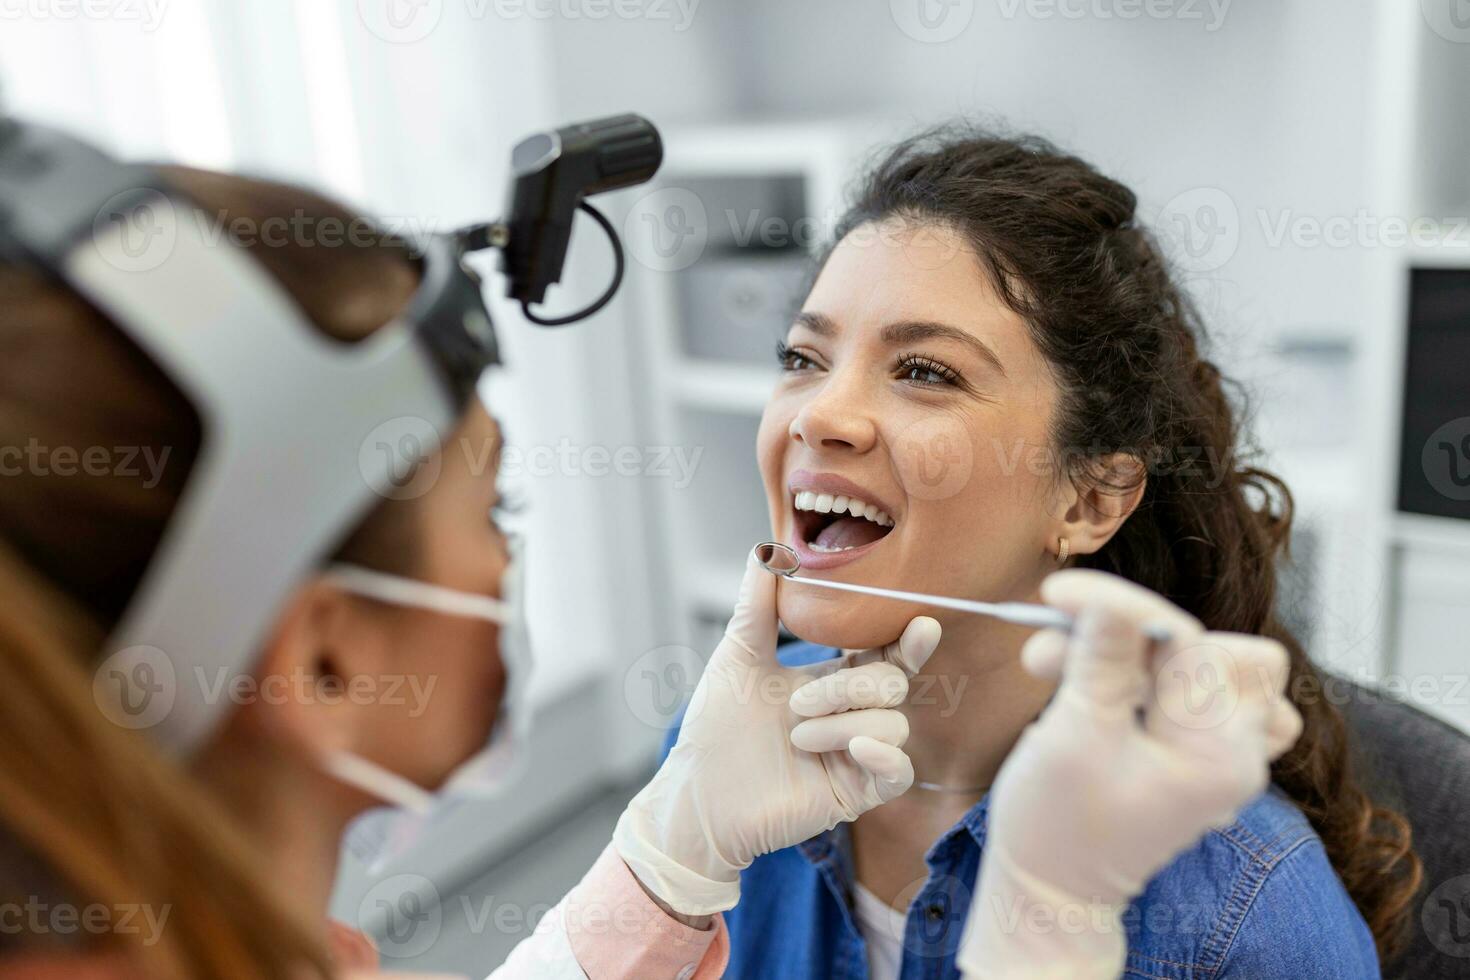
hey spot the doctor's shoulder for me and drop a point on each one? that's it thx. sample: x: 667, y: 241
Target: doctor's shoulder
x: 1255, y: 900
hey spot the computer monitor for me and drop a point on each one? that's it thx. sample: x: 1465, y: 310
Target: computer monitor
x: 1434, y: 451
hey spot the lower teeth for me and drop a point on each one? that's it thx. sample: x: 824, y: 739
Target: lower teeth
x: 829, y: 551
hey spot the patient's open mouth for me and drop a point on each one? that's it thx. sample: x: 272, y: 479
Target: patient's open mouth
x: 830, y: 523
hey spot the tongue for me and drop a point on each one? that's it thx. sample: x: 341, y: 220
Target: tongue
x: 849, y: 532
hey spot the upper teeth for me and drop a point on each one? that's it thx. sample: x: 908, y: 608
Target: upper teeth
x: 826, y: 503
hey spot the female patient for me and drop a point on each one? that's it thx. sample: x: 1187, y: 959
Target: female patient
x: 992, y: 377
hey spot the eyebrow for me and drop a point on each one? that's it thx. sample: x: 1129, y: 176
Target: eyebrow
x: 909, y: 332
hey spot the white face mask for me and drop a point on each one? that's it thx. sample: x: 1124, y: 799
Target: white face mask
x: 383, y: 835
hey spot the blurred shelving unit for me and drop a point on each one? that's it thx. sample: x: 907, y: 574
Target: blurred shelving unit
x: 1416, y: 565
x: 729, y: 235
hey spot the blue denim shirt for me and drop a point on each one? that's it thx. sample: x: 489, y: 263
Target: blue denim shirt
x: 1257, y: 900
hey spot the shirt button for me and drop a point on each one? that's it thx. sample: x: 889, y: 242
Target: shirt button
x: 935, y: 913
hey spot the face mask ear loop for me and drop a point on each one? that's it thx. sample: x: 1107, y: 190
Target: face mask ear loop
x: 423, y: 595
x: 354, y: 770
x: 378, y: 782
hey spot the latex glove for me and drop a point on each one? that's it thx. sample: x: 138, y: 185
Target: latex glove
x: 1094, y: 799
x: 735, y: 786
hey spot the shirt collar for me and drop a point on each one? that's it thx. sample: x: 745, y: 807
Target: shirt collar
x: 831, y: 847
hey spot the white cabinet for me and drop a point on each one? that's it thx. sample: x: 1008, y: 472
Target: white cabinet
x: 1431, y: 630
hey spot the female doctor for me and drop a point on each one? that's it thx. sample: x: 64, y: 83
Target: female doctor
x: 210, y: 590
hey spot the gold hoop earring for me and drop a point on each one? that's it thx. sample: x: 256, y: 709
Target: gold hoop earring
x: 1062, y: 548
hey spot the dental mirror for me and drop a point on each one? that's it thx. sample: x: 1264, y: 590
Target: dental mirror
x: 782, y: 561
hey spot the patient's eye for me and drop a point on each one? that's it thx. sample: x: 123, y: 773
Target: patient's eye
x: 793, y: 358
x: 920, y: 369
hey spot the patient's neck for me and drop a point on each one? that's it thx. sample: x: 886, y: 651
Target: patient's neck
x: 967, y: 707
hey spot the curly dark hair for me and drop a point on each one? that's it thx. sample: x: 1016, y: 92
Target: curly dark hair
x: 1063, y: 246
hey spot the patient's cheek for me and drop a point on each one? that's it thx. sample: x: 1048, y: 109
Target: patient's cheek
x: 850, y: 622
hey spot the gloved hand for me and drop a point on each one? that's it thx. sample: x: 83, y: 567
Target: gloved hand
x: 736, y: 785
x: 1094, y: 800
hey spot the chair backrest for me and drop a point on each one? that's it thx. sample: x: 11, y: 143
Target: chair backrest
x: 1420, y: 766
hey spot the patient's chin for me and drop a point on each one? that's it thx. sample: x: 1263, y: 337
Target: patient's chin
x: 850, y: 622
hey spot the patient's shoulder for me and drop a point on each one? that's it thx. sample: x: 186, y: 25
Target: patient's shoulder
x: 1256, y: 898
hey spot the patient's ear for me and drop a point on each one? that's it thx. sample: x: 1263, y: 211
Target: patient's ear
x: 324, y: 638
x: 1097, y: 500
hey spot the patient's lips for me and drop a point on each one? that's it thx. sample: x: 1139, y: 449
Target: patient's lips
x: 834, y: 520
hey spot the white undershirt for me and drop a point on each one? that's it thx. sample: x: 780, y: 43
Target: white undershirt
x: 881, y: 926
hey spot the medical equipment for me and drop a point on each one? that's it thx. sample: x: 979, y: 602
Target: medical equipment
x: 553, y: 173
x: 782, y: 561
x: 272, y: 393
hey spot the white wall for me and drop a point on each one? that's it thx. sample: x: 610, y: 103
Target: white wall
x: 1269, y: 107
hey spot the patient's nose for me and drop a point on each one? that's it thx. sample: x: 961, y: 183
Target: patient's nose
x: 838, y: 416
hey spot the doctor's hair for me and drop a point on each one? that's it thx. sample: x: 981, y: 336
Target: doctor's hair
x: 91, y: 813
x: 1064, y: 248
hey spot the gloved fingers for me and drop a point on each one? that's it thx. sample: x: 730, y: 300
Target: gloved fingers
x: 1107, y: 656
x: 890, y: 766
x: 831, y: 733
x: 1074, y: 588
x: 910, y: 652
x: 1263, y: 669
x: 1104, y: 669
x: 752, y: 626
x: 1230, y: 687
x: 1230, y: 762
x: 1044, y: 654
x: 914, y: 647
x: 875, y: 685
x: 1283, y: 727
